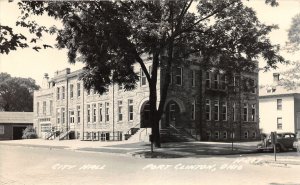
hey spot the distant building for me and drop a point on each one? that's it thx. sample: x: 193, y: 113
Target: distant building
x: 203, y: 105
x: 279, y: 108
x: 12, y: 124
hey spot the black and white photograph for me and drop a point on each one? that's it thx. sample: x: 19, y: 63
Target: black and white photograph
x: 147, y: 92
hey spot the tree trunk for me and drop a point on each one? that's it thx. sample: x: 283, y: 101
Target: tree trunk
x: 155, y: 117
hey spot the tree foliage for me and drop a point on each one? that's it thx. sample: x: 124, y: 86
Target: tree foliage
x: 294, y: 34
x: 10, y: 40
x: 110, y: 36
x: 291, y: 77
x: 16, y: 94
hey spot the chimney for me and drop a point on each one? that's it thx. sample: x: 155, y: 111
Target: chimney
x: 275, y: 78
x: 45, y: 84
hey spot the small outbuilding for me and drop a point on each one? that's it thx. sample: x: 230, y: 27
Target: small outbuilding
x: 12, y: 124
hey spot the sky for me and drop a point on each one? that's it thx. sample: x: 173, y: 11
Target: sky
x: 28, y: 63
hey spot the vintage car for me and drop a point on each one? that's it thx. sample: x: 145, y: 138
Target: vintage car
x: 296, y: 144
x: 284, y: 142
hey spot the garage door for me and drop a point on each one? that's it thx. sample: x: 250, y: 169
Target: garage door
x: 18, y: 132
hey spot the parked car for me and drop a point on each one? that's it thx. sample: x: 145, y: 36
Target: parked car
x: 285, y: 141
x: 296, y: 143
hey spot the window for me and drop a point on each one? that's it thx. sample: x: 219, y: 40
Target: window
x: 37, y: 108
x: 143, y: 78
x: 245, y: 112
x: 207, y: 110
x: 224, y: 135
x: 253, y: 112
x: 88, y: 92
x: 107, y: 112
x: 170, y: 78
x: 57, y: 93
x: 207, y: 80
x: 44, y: 107
x: 253, y: 135
x: 100, y: 112
x: 178, y: 76
x: 45, y: 127
x: 216, y: 110
x: 224, y: 111
x: 208, y: 135
x: 78, y: 114
x: 252, y: 86
x: 102, y: 136
x: 1, y: 129
x: 88, y: 113
x: 147, y: 111
x: 72, y: 118
x: 120, y: 114
x: 216, y: 81
x: 94, y: 113
x: 63, y: 92
x: 235, y: 82
x: 130, y: 110
x: 279, y: 123
x: 234, y: 111
x: 120, y: 87
x: 246, y: 135
x: 279, y: 104
x: 78, y: 90
x: 58, y: 116
x: 217, y: 135
x: 223, y: 81
x: 71, y: 90
x: 51, y: 107
x: 193, y: 110
x: 193, y: 78
x: 63, y: 115
x: 94, y: 135
x: 172, y: 112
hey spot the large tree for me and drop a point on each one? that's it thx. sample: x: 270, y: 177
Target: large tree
x: 16, y: 94
x: 110, y: 36
x: 294, y: 33
x: 290, y: 78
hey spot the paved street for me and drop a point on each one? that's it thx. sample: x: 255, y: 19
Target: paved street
x: 42, y: 165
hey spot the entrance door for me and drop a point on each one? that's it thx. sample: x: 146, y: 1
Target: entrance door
x: 145, y: 115
x: 172, y: 114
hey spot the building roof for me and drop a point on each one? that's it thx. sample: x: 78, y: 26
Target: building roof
x: 16, y: 117
x: 277, y: 90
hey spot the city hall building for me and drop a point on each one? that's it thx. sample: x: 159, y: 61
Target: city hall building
x: 202, y: 105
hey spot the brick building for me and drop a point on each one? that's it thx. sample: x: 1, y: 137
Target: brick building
x: 204, y: 105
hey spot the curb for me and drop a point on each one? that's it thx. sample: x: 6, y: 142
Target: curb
x: 66, y: 148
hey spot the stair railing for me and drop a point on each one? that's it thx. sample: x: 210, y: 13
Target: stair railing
x: 130, y: 130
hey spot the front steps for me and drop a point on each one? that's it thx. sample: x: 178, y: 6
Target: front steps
x: 173, y: 134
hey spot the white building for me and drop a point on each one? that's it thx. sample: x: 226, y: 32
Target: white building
x: 279, y: 108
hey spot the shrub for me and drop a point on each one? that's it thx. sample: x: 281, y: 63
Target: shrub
x: 29, y: 133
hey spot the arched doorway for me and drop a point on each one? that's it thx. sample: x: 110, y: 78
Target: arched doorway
x: 172, y: 114
x: 145, y: 115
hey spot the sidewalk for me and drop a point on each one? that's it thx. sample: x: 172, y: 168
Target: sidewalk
x: 142, y: 149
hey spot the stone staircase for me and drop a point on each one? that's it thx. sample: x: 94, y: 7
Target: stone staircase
x: 142, y: 135
x: 173, y: 134
x: 64, y: 135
